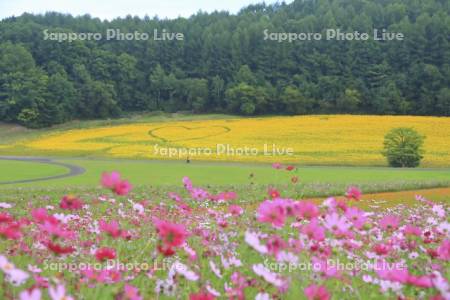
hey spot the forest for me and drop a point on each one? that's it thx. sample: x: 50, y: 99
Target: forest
x: 225, y: 65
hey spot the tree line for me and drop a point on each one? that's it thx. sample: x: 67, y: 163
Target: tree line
x: 224, y: 64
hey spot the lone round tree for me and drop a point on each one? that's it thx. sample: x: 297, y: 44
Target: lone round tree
x: 403, y: 148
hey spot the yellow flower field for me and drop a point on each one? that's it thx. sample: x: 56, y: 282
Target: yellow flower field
x: 336, y: 140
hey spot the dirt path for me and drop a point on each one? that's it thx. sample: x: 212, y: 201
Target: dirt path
x: 73, y: 169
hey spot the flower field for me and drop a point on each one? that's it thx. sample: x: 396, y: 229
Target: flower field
x: 199, y: 243
x: 320, y: 140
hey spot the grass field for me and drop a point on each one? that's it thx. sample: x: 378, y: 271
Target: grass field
x: 18, y: 170
x: 314, y: 140
x: 241, y: 239
x: 168, y: 173
x: 313, y: 181
x: 355, y: 141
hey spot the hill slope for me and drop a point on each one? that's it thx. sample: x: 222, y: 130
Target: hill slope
x: 313, y: 140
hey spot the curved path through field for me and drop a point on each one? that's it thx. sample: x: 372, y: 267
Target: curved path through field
x: 73, y: 169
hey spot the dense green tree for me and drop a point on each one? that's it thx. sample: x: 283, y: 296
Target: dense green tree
x: 60, y: 100
x: 158, y: 84
x: 246, y: 99
x: 99, y: 100
x: 217, y: 93
x: 225, y: 64
x: 245, y: 75
x: 295, y: 102
x: 22, y: 86
x: 443, y: 101
x: 196, y: 94
x: 349, y: 101
x: 403, y: 147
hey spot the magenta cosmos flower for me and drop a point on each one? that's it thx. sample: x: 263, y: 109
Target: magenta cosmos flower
x: 353, y: 193
x: 172, y: 235
x: 271, y: 212
x: 315, y: 292
x: 114, y: 182
x: 70, y: 202
x: 389, y: 222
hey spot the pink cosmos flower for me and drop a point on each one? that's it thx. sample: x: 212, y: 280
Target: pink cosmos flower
x: 102, y: 276
x: 123, y: 188
x: 239, y: 284
x: 185, y: 208
x: 215, y: 269
x: 341, y: 204
x: 199, y: 194
x: 441, y: 284
x: 252, y: 239
x: 271, y: 212
x: 11, y: 231
x: 16, y: 276
x: 439, y: 210
x: 34, y: 294
x: 273, y: 193
x: 105, y: 253
x: 330, y: 204
x: 172, y: 235
x: 225, y: 196
x: 187, y: 183
x: 131, y: 292
x: 356, y: 216
x: 58, y: 293
x: 5, y: 205
x: 412, y: 230
x: 277, y: 166
x: 40, y: 215
x: 190, y: 252
x: 296, y: 245
x: 353, y: 193
x: 271, y: 277
x: 290, y: 168
x: 444, y: 250
x: 175, y: 197
x: 389, y: 222
x: 113, y: 182
x: 111, y: 228
x: 324, y: 268
x: 392, y: 272
x: 70, y: 202
x: 182, y: 269
x: 382, y: 249
x: 314, y: 231
x: 315, y: 292
x: 110, y: 180
x: 275, y: 244
x: 58, y: 249
x: 5, y: 264
x: 336, y: 224
x: 201, y: 296
x: 57, y: 230
x: 420, y: 281
x: 290, y: 207
x: 5, y: 217
x: 34, y: 269
x: 41, y: 282
x: 307, y: 210
x: 235, y: 210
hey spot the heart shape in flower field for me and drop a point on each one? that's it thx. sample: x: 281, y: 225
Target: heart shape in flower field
x: 184, y: 133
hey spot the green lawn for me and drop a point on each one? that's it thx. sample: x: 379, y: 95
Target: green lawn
x: 314, y: 181
x: 19, y: 170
